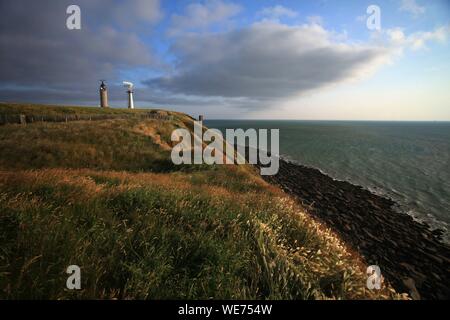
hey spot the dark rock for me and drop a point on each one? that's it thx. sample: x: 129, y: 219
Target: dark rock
x: 407, y: 252
x: 411, y: 285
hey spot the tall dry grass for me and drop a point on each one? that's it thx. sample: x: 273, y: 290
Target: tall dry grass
x: 160, y: 236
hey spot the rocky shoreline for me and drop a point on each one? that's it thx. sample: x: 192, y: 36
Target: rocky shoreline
x: 411, y: 256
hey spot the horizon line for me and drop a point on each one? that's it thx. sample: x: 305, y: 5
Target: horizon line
x: 324, y: 120
x: 223, y: 119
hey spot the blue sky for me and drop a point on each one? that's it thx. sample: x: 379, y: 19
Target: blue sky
x: 235, y: 59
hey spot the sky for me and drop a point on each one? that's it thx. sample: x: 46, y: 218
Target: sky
x: 260, y: 59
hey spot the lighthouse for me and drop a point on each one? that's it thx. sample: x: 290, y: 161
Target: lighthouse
x: 103, y: 95
x: 129, y: 87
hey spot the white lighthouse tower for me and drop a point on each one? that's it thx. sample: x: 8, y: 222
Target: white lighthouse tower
x: 129, y: 86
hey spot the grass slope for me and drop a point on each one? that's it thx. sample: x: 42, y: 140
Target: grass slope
x: 105, y: 196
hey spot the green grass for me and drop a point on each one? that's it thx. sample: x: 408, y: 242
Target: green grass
x: 102, y: 145
x: 119, y: 144
x: 105, y: 196
x: 48, y: 110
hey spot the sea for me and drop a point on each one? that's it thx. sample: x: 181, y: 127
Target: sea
x: 408, y: 162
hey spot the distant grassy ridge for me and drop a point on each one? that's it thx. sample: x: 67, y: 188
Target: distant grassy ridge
x: 127, y: 143
x: 42, y: 110
x: 13, y: 113
x: 106, y: 196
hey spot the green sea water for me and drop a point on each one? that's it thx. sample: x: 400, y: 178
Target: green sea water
x: 406, y: 161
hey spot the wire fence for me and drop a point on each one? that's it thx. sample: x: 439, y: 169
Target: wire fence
x: 26, y: 119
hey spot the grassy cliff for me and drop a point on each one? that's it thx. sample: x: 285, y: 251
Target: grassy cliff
x: 105, y: 195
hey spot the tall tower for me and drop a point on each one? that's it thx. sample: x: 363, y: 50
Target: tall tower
x: 129, y: 86
x: 103, y: 95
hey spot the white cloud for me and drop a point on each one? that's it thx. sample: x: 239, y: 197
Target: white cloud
x: 267, y: 61
x: 417, y: 40
x: 412, y: 7
x: 277, y: 12
x: 200, y: 16
x: 315, y: 20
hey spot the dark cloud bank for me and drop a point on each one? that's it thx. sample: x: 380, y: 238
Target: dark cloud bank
x: 42, y: 61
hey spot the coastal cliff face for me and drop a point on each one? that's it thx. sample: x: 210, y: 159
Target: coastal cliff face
x: 411, y: 256
x: 105, y: 196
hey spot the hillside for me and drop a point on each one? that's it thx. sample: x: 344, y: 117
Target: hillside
x: 105, y: 195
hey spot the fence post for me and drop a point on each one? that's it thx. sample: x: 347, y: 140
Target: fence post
x: 22, y: 119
